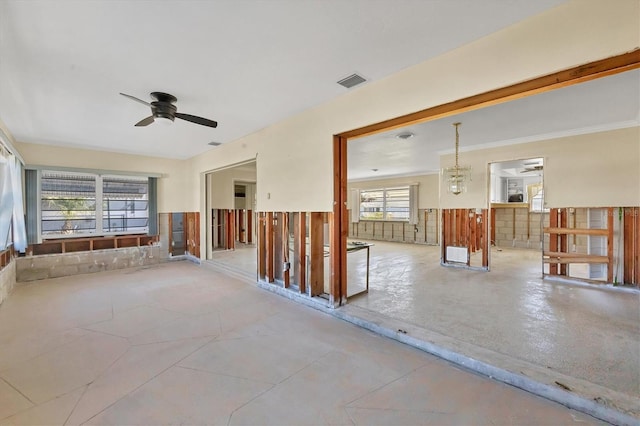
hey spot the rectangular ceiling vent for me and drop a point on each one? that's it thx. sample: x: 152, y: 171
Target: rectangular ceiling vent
x: 352, y: 80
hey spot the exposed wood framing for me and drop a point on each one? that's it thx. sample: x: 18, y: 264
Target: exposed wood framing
x: 465, y: 228
x: 631, y: 233
x: 579, y: 74
x: 610, y: 213
x: 269, y: 248
x: 558, y: 255
x: 300, y: 251
x: 278, y: 249
x: 262, y: 246
x: 249, y: 226
x: 339, y: 224
x: 286, y: 275
x: 564, y: 247
x: 553, y: 238
x: 192, y: 232
x: 240, y: 226
x: 316, y: 236
x: 485, y: 242
x: 230, y: 242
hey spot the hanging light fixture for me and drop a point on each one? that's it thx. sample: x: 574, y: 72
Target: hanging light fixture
x: 456, y: 177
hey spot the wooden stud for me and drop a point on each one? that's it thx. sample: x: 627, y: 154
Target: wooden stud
x: 316, y: 236
x: 301, y: 246
x: 269, y: 247
x: 578, y: 231
x: 486, y: 242
x: 426, y: 222
x: 445, y: 236
x: 278, y: 249
x: 493, y: 226
x: 241, y: 227
x: 262, y: 246
x: 250, y: 217
x: 339, y: 222
x: 285, y: 250
x: 629, y: 248
x: 610, y: 265
x: 636, y: 258
x: 564, y: 246
x: 553, y: 237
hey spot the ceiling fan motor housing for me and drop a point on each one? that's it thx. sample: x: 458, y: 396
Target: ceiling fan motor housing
x: 163, y: 110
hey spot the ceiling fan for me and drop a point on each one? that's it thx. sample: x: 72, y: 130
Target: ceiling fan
x: 163, y: 108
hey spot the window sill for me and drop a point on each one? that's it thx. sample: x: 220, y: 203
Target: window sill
x: 69, y: 245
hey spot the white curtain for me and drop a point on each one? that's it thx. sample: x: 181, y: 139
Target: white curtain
x: 6, y: 201
x: 355, y: 205
x: 413, y: 204
x: 19, y: 232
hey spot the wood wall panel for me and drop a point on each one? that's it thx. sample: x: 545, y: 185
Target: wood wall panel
x: 316, y: 236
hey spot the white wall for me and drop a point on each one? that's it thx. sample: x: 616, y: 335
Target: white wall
x: 172, y: 186
x: 427, y: 188
x: 295, y: 156
x: 222, y: 186
x: 593, y: 170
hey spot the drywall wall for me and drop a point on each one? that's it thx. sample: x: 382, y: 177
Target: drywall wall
x: 591, y: 170
x: 427, y: 188
x: 171, y: 184
x: 295, y: 156
x: 221, y: 186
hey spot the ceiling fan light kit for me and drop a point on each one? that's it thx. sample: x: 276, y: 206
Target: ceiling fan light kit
x: 456, y: 177
x: 163, y: 110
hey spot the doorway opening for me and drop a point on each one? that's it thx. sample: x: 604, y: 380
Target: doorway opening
x: 231, y: 218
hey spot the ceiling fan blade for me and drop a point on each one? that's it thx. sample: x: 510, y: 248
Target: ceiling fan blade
x: 135, y: 99
x: 145, y: 121
x: 197, y: 120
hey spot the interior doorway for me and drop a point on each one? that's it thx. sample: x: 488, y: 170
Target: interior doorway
x: 231, y: 218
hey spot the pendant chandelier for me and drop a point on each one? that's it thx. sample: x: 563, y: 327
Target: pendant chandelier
x: 456, y: 177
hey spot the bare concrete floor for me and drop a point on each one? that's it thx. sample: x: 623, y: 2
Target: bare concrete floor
x: 572, y: 331
x: 181, y: 344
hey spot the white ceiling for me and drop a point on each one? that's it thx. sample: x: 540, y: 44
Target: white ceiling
x: 244, y: 63
x: 602, y: 104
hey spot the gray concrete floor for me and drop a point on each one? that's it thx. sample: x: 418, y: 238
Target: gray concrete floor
x: 181, y: 344
x: 583, y: 332
x: 587, y: 333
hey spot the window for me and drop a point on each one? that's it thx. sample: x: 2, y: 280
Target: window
x: 71, y: 204
x: 68, y: 203
x: 385, y: 204
x: 125, y: 204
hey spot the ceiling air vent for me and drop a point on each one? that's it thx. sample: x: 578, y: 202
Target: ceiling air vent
x: 352, y: 80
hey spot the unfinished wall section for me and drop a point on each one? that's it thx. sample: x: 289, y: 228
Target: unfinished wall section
x: 7, y: 280
x: 424, y: 232
x: 41, y: 267
x: 518, y: 228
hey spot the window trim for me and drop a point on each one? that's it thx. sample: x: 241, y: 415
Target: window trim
x: 99, y: 175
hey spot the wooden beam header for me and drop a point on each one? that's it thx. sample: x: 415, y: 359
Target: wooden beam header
x: 601, y: 68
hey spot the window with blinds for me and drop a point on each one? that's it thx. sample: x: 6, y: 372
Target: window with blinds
x: 72, y: 203
x: 385, y: 204
x: 68, y: 203
x: 125, y: 204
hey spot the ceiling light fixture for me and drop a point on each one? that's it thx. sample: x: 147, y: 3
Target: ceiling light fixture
x: 405, y: 135
x: 456, y: 177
